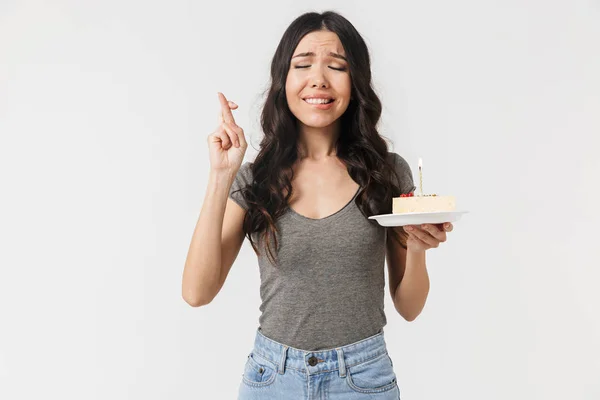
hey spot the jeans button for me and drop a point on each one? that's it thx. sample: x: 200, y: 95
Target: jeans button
x: 312, y: 361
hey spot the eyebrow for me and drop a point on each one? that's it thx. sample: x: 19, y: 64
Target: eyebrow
x: 311, y: 54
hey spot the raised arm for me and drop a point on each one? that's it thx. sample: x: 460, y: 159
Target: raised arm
x: 218, y: 235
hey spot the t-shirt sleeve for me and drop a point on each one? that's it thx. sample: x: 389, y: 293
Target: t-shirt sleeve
x: 404, y: 172
x: 241, y: 180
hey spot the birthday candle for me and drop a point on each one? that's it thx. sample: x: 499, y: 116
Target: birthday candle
x: 421, y: 175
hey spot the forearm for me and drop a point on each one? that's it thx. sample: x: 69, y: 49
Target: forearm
x: 202, y: 269
x: 411, y: 293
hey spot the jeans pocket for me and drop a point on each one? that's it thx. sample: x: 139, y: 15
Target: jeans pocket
x: 259, y: 371
x: 372, y: 376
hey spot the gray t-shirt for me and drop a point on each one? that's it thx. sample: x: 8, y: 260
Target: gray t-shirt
x: 328, y: 287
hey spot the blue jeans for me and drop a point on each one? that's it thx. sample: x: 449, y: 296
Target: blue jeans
x: 360, y: 370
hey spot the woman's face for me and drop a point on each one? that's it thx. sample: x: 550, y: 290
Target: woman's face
x: 320, y: 73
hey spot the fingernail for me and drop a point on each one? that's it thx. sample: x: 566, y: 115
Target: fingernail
x: 409, y: 228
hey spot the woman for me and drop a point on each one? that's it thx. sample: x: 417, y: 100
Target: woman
x: 303, y: 203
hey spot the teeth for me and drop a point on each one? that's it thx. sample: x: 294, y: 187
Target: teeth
x: 318, y: 101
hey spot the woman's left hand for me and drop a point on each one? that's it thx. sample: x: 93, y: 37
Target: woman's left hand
x: 426, y: 236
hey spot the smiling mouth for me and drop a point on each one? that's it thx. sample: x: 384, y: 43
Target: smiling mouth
x: 327, y: 102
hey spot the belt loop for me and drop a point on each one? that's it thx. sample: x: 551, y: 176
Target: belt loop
x: 341, y: 362
x: 282, y: 361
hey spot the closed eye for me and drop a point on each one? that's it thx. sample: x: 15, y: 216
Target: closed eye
x: 306, y: 66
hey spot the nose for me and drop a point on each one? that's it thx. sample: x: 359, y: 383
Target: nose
x: 319, y: 83
x: 318, y: 79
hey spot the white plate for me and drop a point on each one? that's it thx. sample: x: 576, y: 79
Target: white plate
x: 418, y: 218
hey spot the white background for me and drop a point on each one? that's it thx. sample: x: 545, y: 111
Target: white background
x: 104, y: 112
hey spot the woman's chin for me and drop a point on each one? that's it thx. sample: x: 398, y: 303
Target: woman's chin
x: 318, y: 121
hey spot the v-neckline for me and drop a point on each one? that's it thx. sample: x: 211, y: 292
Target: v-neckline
x: 339, y: 212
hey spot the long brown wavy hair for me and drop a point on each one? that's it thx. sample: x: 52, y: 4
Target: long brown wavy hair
x: 360, y: 146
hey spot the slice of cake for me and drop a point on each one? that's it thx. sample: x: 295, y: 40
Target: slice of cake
x: 409, y: 203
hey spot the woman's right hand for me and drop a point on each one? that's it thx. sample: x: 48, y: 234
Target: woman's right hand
x: 227, y: 144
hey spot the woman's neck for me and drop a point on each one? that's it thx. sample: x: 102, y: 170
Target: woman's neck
x: 317, y: 143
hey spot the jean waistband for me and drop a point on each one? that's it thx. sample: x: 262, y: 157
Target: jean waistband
x: 312, y: 362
